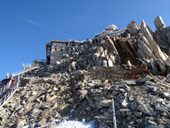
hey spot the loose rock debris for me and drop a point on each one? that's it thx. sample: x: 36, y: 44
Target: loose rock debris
x: 131, y: 66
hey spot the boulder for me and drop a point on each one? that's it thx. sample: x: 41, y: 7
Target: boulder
x: 146, y: 109
x: 42, y: 122
x: 143, y: 80
x: 106, y: 102
x: 162, y: 66
x: 72, y: 66
x: 110, y: 63
x: 82, y: 93
x: 125, y: 103
x: 104, y: 63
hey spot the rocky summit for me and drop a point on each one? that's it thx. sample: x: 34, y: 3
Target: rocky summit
x: 130, y: 67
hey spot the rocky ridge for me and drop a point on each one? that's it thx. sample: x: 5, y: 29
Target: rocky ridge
x: 131, y: 66
x: 136, y: 45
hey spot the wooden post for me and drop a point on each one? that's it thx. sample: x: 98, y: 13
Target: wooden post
x: 114, y: 117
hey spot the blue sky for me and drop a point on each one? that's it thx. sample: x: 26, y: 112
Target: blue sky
x: 27, y: 25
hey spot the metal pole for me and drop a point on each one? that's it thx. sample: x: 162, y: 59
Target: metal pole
x: 114, y: 117
x: 18, y: 82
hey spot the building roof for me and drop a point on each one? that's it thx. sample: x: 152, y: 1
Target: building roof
x: 56, y: 41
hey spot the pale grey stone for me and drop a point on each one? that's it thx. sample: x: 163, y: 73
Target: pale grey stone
x: 106, y: 102
x: 133, y: 27
x: 159, y: 23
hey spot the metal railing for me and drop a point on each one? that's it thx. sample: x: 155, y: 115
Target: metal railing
x: 22, y: 72
x: 8, y: 90
x: 3, y: 88
x: 7, y: 96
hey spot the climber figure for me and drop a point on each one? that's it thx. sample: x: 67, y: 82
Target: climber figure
x: 13, y: 81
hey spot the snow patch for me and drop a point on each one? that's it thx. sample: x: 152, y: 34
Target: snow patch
x: 75, y: 124
x: 67, y: 124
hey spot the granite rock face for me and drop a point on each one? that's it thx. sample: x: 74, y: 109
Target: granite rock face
x: 135, y: 45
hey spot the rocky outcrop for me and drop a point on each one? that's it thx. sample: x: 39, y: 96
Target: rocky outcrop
x: 159, y: 23
x: 133, y: 28
x: 162, y: 35
x: 136, y: 45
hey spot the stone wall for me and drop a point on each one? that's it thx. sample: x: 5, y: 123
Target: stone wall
x: 113, y: 74
x: 57, y: 54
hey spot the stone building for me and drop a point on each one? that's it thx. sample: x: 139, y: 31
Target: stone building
x: 55, y: 51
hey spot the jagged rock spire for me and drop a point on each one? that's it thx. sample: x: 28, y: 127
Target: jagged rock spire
x: 159, y: 23
x: 133, y: 27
